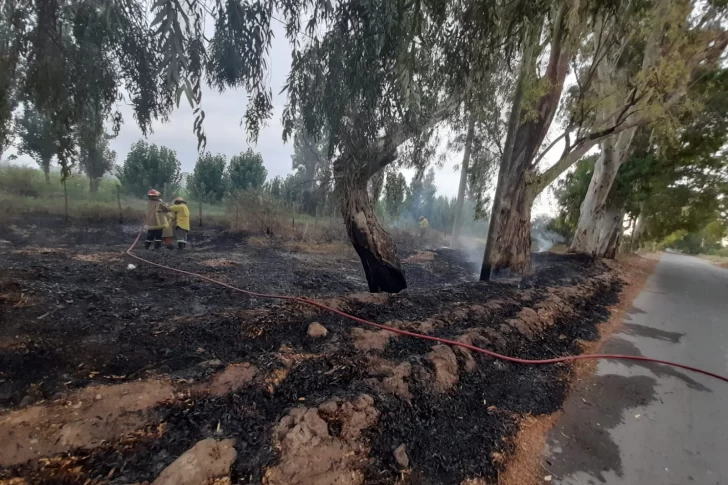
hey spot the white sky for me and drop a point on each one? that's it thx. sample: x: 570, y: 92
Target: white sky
x: 223, y: 113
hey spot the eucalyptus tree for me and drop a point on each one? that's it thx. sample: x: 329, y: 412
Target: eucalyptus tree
x: 656, y: 70
x: 374, y: 78
x: 36, y: 139
x: 95, y: 156
x: 592, y: 38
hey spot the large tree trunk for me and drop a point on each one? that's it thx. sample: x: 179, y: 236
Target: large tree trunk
x: 508, y: 246
x: 458, y: 222
x: 372, y: 243
x: 375, y: 246
x: 594, y: 214
x: 93, y: 183
x: 510, y: 255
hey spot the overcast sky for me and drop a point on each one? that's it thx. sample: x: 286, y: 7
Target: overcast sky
x: 223, y: 113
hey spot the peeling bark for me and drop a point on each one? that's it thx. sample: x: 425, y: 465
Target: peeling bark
x: 595, y: 214
x: 610, y: 232
x: 510, y: 254
x: 508, y: 247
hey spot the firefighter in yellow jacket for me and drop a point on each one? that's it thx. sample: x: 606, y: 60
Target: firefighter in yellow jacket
x: 155, y: 220
x: 181, y: 222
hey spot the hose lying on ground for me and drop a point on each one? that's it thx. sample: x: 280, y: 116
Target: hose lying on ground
x: 407, y: 333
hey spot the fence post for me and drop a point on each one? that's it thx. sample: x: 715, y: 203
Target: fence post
x: 118, y: 202
x: 65, y: 198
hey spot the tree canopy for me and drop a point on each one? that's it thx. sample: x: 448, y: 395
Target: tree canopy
x: 36, y: 138
x: 208, y: 182
x: 148, y: 166
x: 246, y: 171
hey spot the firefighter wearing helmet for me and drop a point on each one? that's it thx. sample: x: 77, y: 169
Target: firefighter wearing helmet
x: 156, y: 219
x: 181, y: 222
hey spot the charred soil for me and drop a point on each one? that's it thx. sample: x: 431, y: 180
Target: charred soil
x: 80, y: 331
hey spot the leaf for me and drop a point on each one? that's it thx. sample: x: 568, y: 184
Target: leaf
x: 188, y: 91
x: 161, y: 15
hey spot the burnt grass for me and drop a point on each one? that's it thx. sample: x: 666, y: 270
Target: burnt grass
x: 74, y: 315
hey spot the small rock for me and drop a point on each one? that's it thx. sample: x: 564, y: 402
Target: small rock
x: 316, y: 330
x: 26, y: 401
x: 211, y: 363
x: 400, y: 454
x: 98, y: 397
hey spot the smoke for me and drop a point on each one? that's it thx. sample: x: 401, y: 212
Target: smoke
x: 543, y: 239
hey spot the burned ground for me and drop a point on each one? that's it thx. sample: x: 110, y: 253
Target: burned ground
x: 73, y: 316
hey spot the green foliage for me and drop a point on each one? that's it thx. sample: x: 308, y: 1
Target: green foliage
x: 148, y: 166
x: 246, y: 171
x: 70, y: 54
x: 570, y: 192
x: 11, y: 72
x: 395, y: 188
x: 677, y: 183
x: 36, y: 138
x: 95, y: 156
x: 483, y: 167
x: 208, y: 181
x: 313, y: 172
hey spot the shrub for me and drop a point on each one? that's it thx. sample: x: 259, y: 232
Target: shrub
x: 256, y: 212
x: 21, y: 181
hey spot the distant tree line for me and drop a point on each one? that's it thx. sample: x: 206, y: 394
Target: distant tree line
x: 150, y: 166
x: 90, y: 143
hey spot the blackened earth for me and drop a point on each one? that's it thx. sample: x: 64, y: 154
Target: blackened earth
x: 76, y: 315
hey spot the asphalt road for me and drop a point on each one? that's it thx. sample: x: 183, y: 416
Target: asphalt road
x: 637, y: 424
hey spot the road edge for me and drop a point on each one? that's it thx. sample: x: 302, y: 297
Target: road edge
x: 525, y: 466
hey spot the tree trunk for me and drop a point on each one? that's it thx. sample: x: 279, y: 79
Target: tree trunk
x: 46, y: 166
x: 508, y: 247
x: 594, y: 214
x: 458, y: 222
x: 93, y: 185
x: 639, y: 229
x: 510, y: 255
x: 118, y: 203
x: 65, y: 200
x: 375, y: 247
x: 610, y: 232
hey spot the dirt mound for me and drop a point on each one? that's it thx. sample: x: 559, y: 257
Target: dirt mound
x: 85, y: 419
x: 309, y: 452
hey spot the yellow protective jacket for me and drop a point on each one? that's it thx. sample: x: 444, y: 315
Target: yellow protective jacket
x: 182, y: 215
x: 424, y: 224
x: 156, y: 217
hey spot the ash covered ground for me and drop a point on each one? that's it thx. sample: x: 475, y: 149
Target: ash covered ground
x: 107, y: 374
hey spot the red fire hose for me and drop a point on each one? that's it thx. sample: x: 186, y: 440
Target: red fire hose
x: 517, y: 360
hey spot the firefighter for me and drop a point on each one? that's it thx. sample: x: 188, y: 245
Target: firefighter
x: 424, y: 224
x: 181, y: 221
x: 155, y: 219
